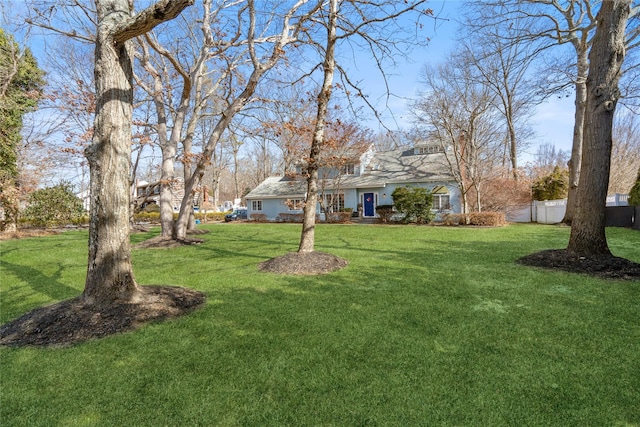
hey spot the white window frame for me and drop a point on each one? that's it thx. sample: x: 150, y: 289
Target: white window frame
x: 430, y: 149
x: 438, y: 202
x: 328, y: 201
x: 348, y: 169
x: 296, y: 204
x: 257, y: 203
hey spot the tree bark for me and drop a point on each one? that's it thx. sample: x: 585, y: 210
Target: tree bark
x: 307, y: 237
x: 110, y: 275
x: 606, y: 57
x: 575, y: 163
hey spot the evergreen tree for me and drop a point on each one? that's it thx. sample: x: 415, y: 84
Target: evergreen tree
x: 634, y: 194
x: 553, y: 186
x: 21, y: 83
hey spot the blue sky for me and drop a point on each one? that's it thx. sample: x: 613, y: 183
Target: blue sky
x: 553, y: 121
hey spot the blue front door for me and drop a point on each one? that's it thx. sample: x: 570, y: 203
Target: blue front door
x: 369, y: 208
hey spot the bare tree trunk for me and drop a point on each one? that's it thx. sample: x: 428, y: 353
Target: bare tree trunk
x: 606, y: 57
x: 575, y: 163
x: 109, y: 272
x: 307, y: 237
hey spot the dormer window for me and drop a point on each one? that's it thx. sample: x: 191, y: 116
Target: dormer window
x: 429, y: 149
x: 348, y: 169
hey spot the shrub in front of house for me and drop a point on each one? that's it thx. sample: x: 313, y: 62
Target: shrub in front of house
x: 453, y: 219
x: 258, y: 217
x: 414, y: 203
x: 384, y: 212
x: 488, y: 219
x: 337, y: 217
x: 210, y: 216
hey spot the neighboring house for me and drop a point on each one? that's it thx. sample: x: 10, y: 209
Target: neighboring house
x: 362, y: 182
x: 149, y: 193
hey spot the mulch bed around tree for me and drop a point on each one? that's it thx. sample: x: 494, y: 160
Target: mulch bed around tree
x: 309, y: 263
x: 72, y: 321
x: 601, y: 266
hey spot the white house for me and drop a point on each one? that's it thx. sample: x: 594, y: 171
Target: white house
x: 363, y: 181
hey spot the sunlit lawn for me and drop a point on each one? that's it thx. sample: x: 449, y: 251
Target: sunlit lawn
x: 426, y: 326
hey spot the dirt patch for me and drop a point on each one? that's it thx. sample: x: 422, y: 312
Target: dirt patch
x: 605, y: 267
x: 299, y: 264
x: 72, y: 321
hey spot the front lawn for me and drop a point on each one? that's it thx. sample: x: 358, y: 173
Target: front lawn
x: 425, y: 326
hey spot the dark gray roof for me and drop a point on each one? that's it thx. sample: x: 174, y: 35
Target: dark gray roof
x: 395, y: 166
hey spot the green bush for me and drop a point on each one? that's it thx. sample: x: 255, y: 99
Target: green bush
x: 54, y: 206
x: 634, y: 194
x: 384, y: 212
x: 414, y: 203
x: 553, y: 186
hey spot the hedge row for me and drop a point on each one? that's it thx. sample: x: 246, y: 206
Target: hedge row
x: 489, y: 219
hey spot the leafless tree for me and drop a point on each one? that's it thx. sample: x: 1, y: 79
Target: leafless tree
x: 366, y: 25
x: 458, y: 113
x: 625, y: 153
x: 264, y: 38
x: 505, y: 68
x: 550, y: 24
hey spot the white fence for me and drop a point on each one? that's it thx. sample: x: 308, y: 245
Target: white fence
x: 552, y: 211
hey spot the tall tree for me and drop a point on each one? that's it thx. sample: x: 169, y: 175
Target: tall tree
x: 307, y: 238
x: 505, y: 68
x: 346, y: 20
x: 625, y: 152
x: 264, y: 50
x: 606, y: 58
x: 458, y: 113
x: 21, y: 83
x: 110, y: 274
x: 552, y: 23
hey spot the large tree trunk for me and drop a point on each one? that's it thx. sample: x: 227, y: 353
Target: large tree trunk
x: 606, y: 57
x: 307, y: 237
x: 109, y: 272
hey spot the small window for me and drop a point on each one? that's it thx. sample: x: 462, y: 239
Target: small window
x: 441, y: 201
x: 256, y: 205
x: 333, y: 202
x: 348, y: 169
x: 295, y: 204
x: 431, y: 149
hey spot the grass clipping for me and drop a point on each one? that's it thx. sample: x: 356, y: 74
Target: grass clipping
x: 303, y: 263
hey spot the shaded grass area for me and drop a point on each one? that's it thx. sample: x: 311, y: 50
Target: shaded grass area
x: 425, y: 326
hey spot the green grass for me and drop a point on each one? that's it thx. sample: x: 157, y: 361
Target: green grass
x: 426, y: 326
